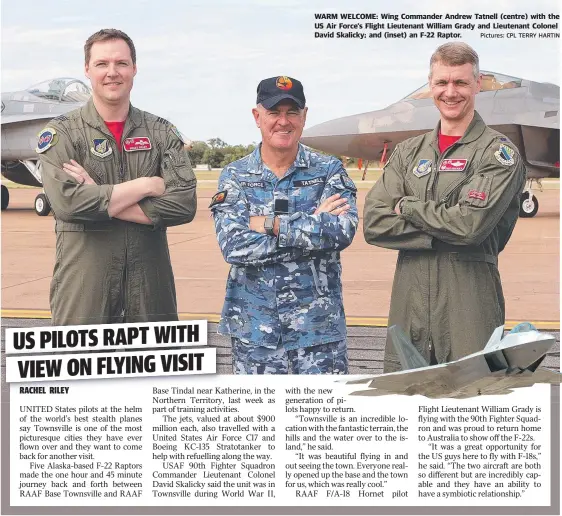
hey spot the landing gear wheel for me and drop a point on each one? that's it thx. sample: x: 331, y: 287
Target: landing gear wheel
x: 5, y: 197
x: 42, y: 206
x: 529, y: 206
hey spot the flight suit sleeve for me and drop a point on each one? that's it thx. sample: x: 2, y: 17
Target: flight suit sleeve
x: 238, y: 243
x: 483, y: 200
x: 179, y: 202
x: 323, y: 231
x: 381, y: 225
x: 70, y: 200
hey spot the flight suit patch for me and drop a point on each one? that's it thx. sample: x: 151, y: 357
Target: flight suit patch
x: 101, y: 148
x: 505, y: 155
x: 137, y: 144
x: 348, y: 183
x: 218, y: 198
x: 422, y: 168
x: 474, y: 194
x: 47, y: 138
x: 452, y: 165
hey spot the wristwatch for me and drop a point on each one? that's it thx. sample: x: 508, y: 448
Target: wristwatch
x: 268, y: 225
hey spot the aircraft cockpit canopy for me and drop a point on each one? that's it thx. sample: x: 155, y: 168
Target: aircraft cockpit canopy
x: 61, y: 89
x: 491, y: 81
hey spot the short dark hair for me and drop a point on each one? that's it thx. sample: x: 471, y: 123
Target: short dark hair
x: 456, y: 54
x: 105, y: 35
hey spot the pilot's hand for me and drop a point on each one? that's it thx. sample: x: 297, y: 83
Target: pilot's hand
x: 398, y: 207
x: 78, y: 172
x: 157, y: 186
x: 256, y: 223
x: 335, y: 205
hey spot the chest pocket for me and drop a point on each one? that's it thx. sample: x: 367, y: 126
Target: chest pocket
x: 306, y: 193
x: 259, y: 194
x: 176, y: 168
x: 102, y: 169
x: 418, y: 177
x: 142, y: 163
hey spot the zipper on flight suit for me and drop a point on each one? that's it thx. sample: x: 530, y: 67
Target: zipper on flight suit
x: 433, y: 191
x: 432, y: 357
x: 122, y: 164
x: 122, y: 170
x: 124, y: 289
x: 439, y: 160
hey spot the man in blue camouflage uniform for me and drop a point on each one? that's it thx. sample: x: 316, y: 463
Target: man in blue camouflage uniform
x: 282, y: 216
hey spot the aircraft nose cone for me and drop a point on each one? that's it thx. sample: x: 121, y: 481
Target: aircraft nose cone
x: 339, y: 137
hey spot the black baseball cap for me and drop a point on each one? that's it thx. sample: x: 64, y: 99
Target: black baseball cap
x: 275, y: 89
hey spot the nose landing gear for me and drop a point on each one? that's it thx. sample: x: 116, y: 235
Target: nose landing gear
x: 529, y: 203
x: 42, y: 206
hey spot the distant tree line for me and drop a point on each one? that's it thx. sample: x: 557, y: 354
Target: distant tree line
x: 217, y: 153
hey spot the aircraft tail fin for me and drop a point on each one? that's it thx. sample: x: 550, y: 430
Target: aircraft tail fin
x: 497, y: 335
x: 495, y: 338
x: 409, y: 356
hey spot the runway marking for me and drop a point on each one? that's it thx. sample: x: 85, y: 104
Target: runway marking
x: 25, y: 314
x: 379, y: 322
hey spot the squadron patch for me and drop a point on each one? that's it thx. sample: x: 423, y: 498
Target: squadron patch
x: 101, y: 148
x: 137, y: 144
x: 505, y: 155
x: 422, y: 168
x: 348, y: 183
x: 218, y: 198
x: 47, y: 138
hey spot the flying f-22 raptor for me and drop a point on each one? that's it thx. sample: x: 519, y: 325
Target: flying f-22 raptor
x: 527, y: 112
x: 24, y: 114
x: 504, y: 364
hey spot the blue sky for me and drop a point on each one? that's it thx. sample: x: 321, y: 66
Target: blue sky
x: 199, y: 62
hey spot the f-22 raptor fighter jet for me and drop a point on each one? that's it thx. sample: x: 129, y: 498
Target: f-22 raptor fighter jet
x: 504, y: 364
x: 527, y: 112
x: 24, y: 114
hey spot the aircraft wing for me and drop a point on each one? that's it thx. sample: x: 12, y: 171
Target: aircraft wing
x: 441, y: 383
x: 12, y: 119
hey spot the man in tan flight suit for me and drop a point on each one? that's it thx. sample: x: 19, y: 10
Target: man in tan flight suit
x: 116, y: 178
x: 448, y: 200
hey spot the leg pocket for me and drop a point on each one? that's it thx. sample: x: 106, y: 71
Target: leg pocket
x: 322, y: 359
x: 248, y: 358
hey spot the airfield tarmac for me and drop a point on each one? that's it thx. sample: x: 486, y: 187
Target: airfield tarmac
x: 529, y: 266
